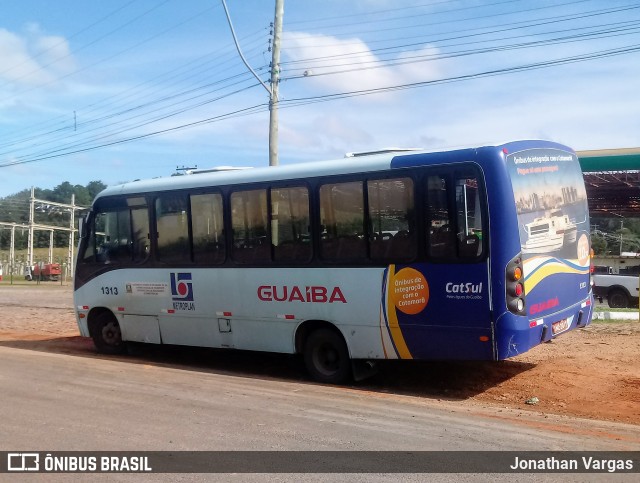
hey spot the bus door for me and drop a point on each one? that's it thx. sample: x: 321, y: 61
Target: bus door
x: 440, y: 308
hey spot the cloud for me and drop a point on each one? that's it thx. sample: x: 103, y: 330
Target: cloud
x: 33, y: 59
x: 326, y: 132
x: 335, y: 65
x: 17, y: 63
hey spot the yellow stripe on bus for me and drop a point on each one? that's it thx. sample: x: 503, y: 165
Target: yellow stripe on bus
x: 392, y: 318
x: 547, y: 270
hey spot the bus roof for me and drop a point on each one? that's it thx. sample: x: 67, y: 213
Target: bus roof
x: 348, y: 165
x: 272, y: 173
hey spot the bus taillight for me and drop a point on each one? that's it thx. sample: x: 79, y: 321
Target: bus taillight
x: 519, y: 289
x: 515, y: 286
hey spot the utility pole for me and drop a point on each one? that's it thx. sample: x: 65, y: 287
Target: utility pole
x: 275, y: 76
x: 32, y: 204
x: 72, y: 226
x: 275, y: 80
x: 621, y: 227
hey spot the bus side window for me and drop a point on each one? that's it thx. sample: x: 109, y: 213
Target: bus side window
x: 391, y: 212
x: 342, y: 219
x: 440, y: 243
x: 207, y: 226
x: 249, y: 224
x: 469, y: 217
x: 94, y: 232
x: 172, y: 228
x: 119, y: 232
x: 139, y: 234
x: 290, y: 224
x: 112, y: 236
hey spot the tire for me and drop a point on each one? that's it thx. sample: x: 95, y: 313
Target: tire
x: 106, y: 335
x: 326, y: 357
x: 618, y: 299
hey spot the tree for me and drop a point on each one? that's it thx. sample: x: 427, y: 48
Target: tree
x: 599, y: 244
x: 15, y: 209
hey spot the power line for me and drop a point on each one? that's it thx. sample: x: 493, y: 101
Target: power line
x: 489, y: 73
x: 475, y: 19
x: 297, y: 102
x: 512, y: 26
x: 388, y: 19
x: 237, y: 113
x: 218, y: 62
x: 84, y: 47
x: 89, y: 27
x: 121, y: 128
x: 104, y: 128
x: 382, y: 63
x: 373, y: 12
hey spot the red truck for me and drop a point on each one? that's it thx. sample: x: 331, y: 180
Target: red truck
x: 43, y: 271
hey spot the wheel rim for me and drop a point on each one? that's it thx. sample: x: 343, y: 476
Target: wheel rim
x: 111, y: 333
x: 618, y: 300
x: 326, y: 359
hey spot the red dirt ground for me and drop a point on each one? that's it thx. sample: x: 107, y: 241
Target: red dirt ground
x: 592, y: 373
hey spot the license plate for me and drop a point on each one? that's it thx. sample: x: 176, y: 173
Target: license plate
x: 559, y: 326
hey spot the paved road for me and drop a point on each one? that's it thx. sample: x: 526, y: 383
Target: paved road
x: 60, y: 402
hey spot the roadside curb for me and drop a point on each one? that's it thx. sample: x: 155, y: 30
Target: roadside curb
x: 615, y: 316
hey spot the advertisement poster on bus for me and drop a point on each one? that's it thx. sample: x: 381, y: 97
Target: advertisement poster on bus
x: 551, y: 204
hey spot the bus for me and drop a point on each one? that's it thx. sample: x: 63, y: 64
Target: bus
x: 469, y: 254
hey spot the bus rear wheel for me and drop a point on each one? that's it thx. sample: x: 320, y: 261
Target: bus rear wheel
x: 106, y: 335
x: 326, y: 357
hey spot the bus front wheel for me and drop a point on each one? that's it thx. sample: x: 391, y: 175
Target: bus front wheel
x: 326, y: 357
x: 106, y: 335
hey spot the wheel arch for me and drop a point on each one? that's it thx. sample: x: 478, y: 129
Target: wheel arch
x: 308, y: 326
x: 618, y: 288
x: 93, y: 316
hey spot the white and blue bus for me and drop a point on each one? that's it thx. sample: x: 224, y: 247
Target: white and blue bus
x: 471, y: 254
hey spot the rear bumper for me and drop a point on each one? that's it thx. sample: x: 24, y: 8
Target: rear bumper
x: 516, y: 335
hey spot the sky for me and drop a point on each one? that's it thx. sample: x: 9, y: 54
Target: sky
x: 131, y: 89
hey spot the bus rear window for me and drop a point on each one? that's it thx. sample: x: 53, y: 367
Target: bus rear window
x: 469, y: 217
x: 454, y: 212
x: 391, y: 219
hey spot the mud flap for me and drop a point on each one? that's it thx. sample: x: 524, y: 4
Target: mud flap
x: 363, y: 369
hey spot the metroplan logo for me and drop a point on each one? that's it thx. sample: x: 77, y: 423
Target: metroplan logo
x: 181, y: 287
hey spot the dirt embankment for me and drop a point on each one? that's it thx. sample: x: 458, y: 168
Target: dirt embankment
x: 592, y: 373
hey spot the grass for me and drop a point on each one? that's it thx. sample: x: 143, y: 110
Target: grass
x: 608, y: 309
x: 39, y: 254
x: 59, y: 254
x: 613, y: 321
x: 21, y: 282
